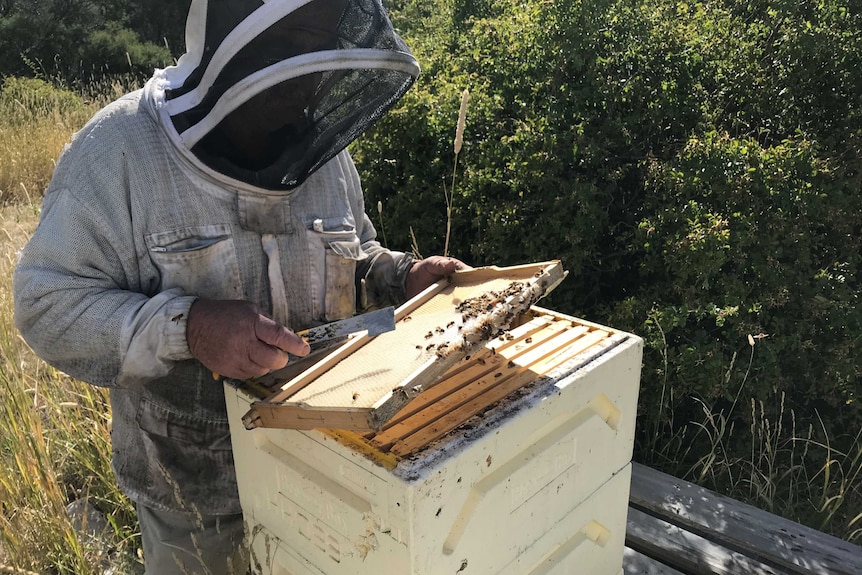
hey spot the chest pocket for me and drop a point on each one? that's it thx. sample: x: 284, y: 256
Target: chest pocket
x: 202, y: 260
x: 334, y: 248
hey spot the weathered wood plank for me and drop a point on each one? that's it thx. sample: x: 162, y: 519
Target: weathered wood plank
x: 686, y: 551
x: 636, y: 563
x: 742, y: 528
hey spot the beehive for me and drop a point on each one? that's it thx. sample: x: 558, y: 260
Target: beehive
x: 516, y: 462
x: 363, y: 383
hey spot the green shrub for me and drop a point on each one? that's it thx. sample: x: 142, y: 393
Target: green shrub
x: 76, y: 42
x: 743, y: 239
x: 696, y: 166
x: 23, y: 100
x: 115, y: 50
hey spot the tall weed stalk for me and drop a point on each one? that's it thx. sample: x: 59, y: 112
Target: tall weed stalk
x: 458, y: 143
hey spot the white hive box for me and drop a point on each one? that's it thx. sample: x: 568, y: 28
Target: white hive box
x: 535, y: 483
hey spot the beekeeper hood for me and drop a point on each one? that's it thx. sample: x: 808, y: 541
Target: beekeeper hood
x: 268, y: 91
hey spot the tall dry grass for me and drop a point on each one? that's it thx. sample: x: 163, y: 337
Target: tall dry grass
x: 36, y: 121
x: 54, y: 447
x: 54, y: 431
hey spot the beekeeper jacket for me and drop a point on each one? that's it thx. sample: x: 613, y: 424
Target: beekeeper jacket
x: 133, y: 229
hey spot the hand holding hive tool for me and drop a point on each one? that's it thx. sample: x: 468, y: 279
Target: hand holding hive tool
x: 324, y: 337
x: 374, y: 322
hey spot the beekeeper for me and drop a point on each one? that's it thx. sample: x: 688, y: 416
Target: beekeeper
x: 192, y: 226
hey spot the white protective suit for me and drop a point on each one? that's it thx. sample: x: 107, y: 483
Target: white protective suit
x: 140, y: 220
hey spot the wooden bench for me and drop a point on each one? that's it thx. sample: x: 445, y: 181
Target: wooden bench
x: 677, y: 528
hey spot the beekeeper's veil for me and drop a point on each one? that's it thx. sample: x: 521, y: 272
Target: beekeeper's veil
x: 294, y: 82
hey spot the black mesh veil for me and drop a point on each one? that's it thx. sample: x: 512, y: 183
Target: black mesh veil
x: 283, y: 86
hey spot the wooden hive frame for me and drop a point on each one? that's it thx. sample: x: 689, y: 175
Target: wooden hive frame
x: 365, y: 382
x: 540, y: 344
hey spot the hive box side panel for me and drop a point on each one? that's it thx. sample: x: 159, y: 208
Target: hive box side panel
x: 589, y: 540
x: 269, y: 556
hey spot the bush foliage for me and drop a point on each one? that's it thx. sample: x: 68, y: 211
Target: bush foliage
x: 77, y: 41
x: 695, y: 165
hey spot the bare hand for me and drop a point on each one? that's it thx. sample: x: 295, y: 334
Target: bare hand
x: 235, y: 339
x: 430, y: 270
